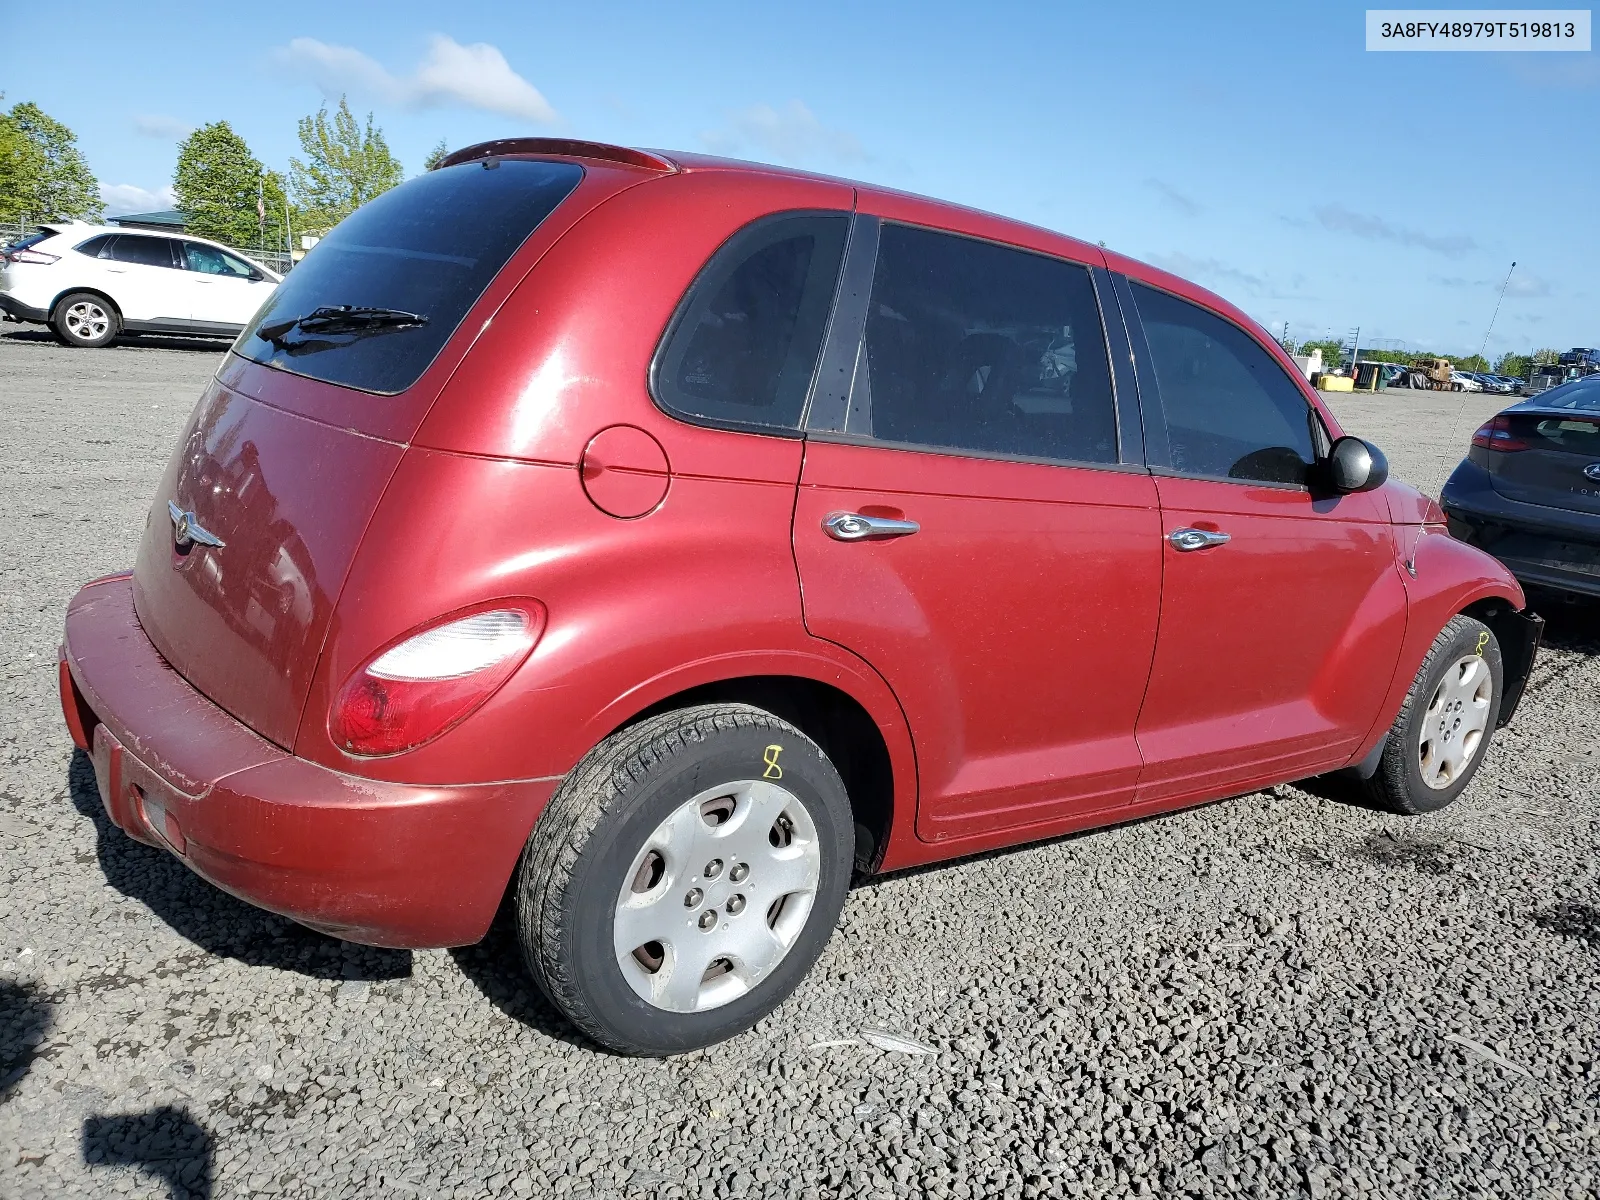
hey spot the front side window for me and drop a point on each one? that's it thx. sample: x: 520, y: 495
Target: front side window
x: 744, y: 345
x: 209, y: 260
x: 1232, y: 412
x: 145, y: 251
x: 976, y: 347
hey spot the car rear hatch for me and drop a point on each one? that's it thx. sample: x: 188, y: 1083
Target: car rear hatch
x: 263, y: 505
x: 1549, y: 457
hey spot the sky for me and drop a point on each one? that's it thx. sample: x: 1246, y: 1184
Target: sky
x: 1257, y: 149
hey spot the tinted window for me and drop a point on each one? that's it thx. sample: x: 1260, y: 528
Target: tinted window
x: 1231, y: 410
x: 146, y: 251
x: 973, y: 346
x: 1584, y: 394
x: 745, y: 342
x: 95, y: 247
x: 209, y: 260
x: 430, y: 247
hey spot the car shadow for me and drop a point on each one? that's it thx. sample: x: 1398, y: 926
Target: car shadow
x: 219, y: 923
x: 494, y: 966
x: 25, y: 1017
x: 165, y: 1142
x: 151, y: 341
x: 1570, y: 622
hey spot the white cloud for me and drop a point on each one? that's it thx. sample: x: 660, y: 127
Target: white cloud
x: 1173, y: 198
x: 475, y: 76
x: 791, y: 134
x: 123, y: 198
x: 1339, y: 219
x: 165, y: 128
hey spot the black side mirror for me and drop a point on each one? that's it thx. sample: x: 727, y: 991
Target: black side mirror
x: 1356, y: 466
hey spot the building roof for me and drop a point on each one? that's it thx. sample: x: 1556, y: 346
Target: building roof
x: 169, y: 218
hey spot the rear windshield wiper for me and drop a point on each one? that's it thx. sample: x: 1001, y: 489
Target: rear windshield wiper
x: 341, y: 318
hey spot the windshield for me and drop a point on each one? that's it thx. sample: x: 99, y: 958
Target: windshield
x: 428, y: 247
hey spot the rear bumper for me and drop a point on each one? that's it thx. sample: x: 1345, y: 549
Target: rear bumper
x: 18, y: 311
x: 386, y: 864
x: 1543, y: 547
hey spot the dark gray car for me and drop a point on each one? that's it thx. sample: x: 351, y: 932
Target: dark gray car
x: 1528, y: 491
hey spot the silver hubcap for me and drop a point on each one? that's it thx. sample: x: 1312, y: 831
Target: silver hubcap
x: 1453, y: 726
x: 87, y: 321
x: 717, y: 896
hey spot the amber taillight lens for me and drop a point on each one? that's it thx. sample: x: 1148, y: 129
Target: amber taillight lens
x: 419, y: 687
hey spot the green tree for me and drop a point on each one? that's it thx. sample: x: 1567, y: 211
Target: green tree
x: 1546, y: 356
x: 1332, y: 352
x: 218, y: 184
x: 43, y: 175
x: 1513, y: 366
x: 1472, y: 362
x: 436, y: 156
x: 345, y: 165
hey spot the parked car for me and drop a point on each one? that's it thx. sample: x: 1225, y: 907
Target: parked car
x: 1528, y: 491
x: 1497, y: 384
x: 90, y: 283
x: 1464, y: 381
x: 667, y: 599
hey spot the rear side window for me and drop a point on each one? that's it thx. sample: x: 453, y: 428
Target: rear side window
x: 428, y: 247
x: 977, y: 347
x: 95, y: 247
x: 144, y: 251
x: 1231, y: 410
x: 742, y: 349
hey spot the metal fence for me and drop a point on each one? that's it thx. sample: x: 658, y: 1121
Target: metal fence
x: 278, y: 261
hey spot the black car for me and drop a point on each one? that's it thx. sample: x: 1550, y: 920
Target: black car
x: 1528, y: 491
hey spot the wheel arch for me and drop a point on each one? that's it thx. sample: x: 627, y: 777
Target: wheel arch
x: 84, y: 291
x: 1519, y: 632
x: 862, y: 747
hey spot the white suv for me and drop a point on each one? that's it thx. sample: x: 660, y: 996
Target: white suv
x: 92, y: 282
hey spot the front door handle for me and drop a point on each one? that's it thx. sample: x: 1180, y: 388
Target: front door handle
x: 858, y: 527
x: 1197, y: 539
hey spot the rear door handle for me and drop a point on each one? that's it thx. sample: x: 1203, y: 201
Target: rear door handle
x: 1197, y: 539
x: 857, y: 527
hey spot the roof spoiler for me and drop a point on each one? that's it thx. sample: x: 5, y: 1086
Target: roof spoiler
x: 567, y: 148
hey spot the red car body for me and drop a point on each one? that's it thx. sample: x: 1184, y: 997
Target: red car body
x: 1039, y: 659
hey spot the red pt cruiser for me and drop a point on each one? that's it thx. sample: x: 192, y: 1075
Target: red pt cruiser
x: 666, y: 538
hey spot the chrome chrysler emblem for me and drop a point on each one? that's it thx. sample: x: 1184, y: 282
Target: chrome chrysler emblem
x: 1592, y: 471
x: 187, y: 531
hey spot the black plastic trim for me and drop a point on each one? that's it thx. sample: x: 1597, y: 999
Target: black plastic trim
x: 1153, y: 420
x: 1519, y: 635
x: 19, y: 311
x: 183, y: 326
x: 1124, y: 382
x: 827, y: 408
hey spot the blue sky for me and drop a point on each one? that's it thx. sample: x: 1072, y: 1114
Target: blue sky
x: 1257, y: 149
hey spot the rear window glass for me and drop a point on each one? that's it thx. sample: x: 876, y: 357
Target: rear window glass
x: 428, y: 247
x: 744, y: 345
x: 1574, y: 434
x: 1584, y: 395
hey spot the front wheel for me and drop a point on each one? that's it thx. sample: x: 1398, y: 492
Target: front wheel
x: 84, y: 319
x: 685, y: 877
x: 1438, y: 741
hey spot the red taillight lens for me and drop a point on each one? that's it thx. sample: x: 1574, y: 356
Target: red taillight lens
x: 33, y: 256
x: 419, y: 687
x: 1496, y: 435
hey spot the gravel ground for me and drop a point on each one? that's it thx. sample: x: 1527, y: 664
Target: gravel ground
x: 1277, y: 995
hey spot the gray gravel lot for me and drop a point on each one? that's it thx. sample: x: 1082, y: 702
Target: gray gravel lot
x: 1278, y: 995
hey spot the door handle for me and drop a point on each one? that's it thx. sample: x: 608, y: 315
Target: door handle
x: 1197, y: 539
x: 857, y: 527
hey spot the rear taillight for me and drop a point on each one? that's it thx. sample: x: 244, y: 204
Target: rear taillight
x: 1496, y: 435
x: 33, y: 256
x: 419, y: 687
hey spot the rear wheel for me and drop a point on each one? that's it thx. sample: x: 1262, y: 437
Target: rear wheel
x: 1438, y: 741
x: 84, y: 319
x: 685, y: 877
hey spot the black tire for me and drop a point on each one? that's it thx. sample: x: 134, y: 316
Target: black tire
x: 601, y: 819
x: 1400, y: 785
x: 86, y: 320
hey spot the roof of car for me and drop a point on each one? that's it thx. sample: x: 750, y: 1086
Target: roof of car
x: 905, y: 206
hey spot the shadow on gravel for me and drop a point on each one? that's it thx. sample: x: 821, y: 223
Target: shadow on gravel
x: 25, y: 1017
x: 149, y: 341
x: 1571, y: 623
x: 1581, y: 921
x: 209, y: 917
x: 494, y: 967
x: 1429, y: 855
x: 165, y: 1142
